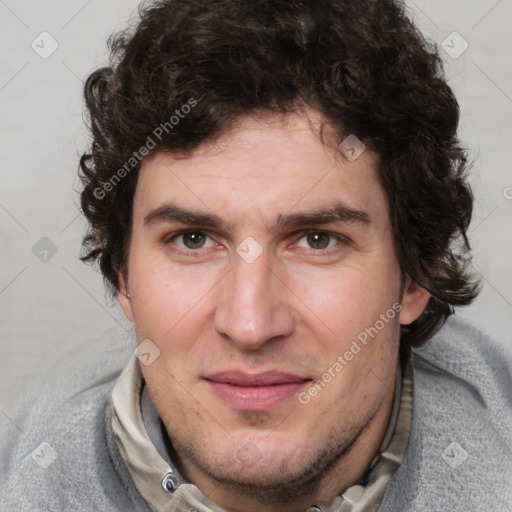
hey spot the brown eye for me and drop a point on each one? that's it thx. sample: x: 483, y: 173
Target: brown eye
x: 318, y: 240
x: 193, y: 240
x: 322, y: 241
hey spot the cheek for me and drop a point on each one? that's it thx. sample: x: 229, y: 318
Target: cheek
x: 168, y: 300
x: 347, y: 301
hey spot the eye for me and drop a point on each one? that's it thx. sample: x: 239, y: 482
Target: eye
x: 192, y: 240
x: 320, y: 240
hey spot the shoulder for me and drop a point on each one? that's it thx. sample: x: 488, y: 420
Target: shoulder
x: 57, y: 456
x: 462, y: 375
x: 465, y: 351
x: 459, y: 454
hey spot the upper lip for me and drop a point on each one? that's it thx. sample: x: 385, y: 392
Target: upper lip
x: 267, y: 378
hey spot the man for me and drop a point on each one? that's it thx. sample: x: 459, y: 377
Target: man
x: 275, y: 190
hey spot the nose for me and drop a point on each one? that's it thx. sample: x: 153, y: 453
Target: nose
x: 252, y: 305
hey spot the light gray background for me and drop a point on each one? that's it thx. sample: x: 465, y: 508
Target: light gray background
x: 54, y: 311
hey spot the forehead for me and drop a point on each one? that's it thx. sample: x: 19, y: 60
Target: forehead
x: 263, y: 167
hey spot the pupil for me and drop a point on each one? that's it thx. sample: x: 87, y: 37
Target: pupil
x: 193, y: 240
x: 320, y: 240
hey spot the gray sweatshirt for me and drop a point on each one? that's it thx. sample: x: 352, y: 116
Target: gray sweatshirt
x: 60, y: 454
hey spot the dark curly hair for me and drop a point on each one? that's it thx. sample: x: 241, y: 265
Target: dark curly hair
x: 362, y: 64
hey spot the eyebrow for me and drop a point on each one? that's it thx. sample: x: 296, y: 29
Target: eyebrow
x: 173, y: 213
x: 338, y: 212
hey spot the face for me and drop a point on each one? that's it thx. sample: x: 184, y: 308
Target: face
x: 263, y: 269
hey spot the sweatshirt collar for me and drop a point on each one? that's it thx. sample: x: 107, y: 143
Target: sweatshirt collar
x: 141, y: 439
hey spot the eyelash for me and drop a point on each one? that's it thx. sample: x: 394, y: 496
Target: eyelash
x: 343, y: 240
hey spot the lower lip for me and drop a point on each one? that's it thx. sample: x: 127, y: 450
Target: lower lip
x: 257, y: 398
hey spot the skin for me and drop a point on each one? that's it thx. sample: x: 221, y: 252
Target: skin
x: 296, y: 308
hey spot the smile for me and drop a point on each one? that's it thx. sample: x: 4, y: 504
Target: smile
x: 255, y: 392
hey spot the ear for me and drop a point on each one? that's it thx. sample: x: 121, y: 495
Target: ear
x: 414, y: 301
x: 125, y: 300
